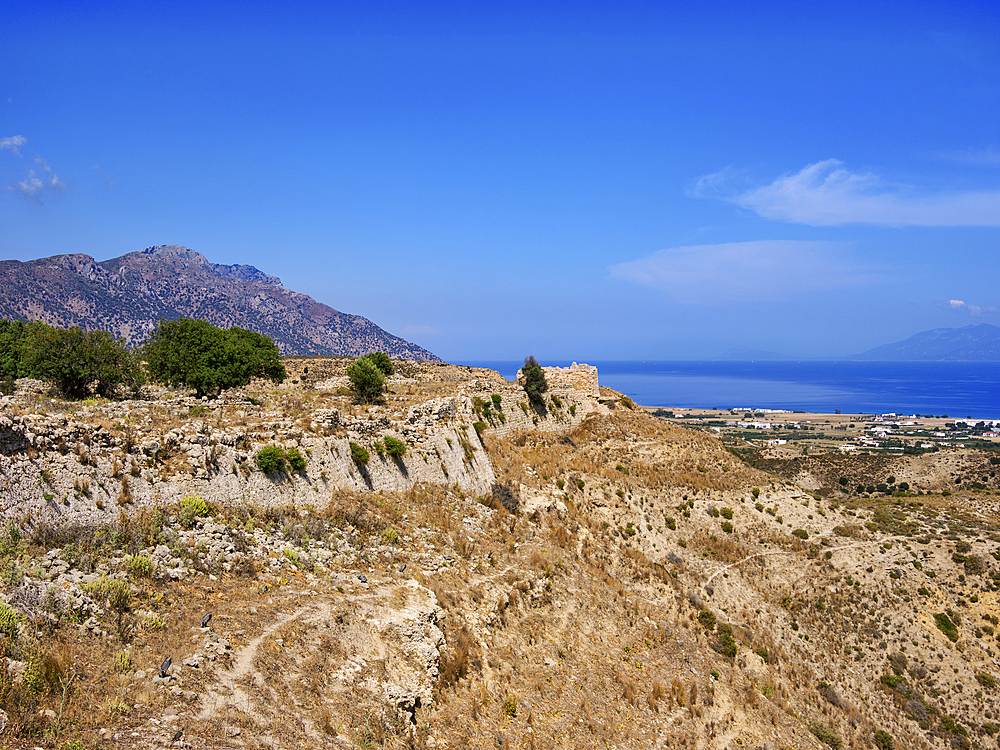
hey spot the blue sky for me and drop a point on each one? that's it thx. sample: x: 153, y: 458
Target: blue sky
x: 571, y: 180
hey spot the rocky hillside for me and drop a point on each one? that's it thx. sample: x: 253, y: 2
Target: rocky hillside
x: 579, y: 575
x: 128, y: 295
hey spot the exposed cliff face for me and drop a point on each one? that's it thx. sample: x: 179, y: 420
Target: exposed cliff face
x: 129, y: 294
x: 156, y: 451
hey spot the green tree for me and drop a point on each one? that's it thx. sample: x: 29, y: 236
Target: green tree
x: 196, y: 354
x: 381, y: 361
x: 367, y: 380
x: 13, y: 336
x: 535, y: 383
x: 76, y: 361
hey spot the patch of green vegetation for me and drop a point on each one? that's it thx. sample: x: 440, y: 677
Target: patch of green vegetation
x: 358, y: 454
x: 192, y: 508
x: 139, y: 566
x: 946, y: 626
x: 393, y: 446
x: 271, y: 459
x: 295, y: 459
x: 824, y: 733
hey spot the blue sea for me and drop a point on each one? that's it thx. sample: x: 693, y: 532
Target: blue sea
x: 956, y: 389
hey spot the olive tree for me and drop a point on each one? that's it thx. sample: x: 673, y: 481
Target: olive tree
x: 199, y: 355
x: 79, y: 362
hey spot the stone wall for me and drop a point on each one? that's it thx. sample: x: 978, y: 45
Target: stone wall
x: 582, y: 378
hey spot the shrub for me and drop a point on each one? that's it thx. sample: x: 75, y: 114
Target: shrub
x: 987, y: 680
x: 510, y: 706
x: 707, y: 619
x: 139, y: 566
x: 755, y: 492
x: 727, y: 527
x: 271, y: 459
x: 898, y: 662
x: 114, y: 591
x: 367, y: 380
x: 196, y: 354
x: 193, y: 507
x: 727, y: 513
x: 883, y: 740
x: 497, y: 400
x: 946, y: 626
x: 359, y: 454
x: 153, y: 621
x: 535, y: 384
x: 8, y: 622
x: 295, y: 459
x: 390, y: 535
x: 891, y: 680
x: 824, y: 734
x: 671, y: 523
x: 123, y: 662
x: 727, y: 644
x: 394, y: 447
x: 801, y: 533
x: 479, y: 427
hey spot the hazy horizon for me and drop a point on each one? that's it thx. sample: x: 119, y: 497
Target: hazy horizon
x: 649, y: 181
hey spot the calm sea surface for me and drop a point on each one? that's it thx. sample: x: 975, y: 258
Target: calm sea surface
x: 958, y: 389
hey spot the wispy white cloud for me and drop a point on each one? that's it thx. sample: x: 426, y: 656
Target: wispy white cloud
x: 13, y: 144
x: 985, y: 157
x: 759, y: 270
x: 974, y: 310
x: 38, y: 182
x: 827, y: 194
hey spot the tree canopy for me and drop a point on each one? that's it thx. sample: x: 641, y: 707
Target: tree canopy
x: 381, y: 361
x: 367, y: 380
x: 535, y: 383
x: 196, y: 354
x: 75, y: 361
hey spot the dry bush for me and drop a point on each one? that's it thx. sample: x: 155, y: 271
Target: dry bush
x: 677, y: 691
x: 562, y: 536
x: 461, y: 656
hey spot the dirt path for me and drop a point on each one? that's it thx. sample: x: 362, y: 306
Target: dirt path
x: 787, y: 552
x: 213, y: 701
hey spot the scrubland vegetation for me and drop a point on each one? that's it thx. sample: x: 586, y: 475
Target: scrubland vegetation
x: 626, y: 583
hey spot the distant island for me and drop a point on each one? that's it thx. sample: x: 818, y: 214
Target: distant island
x: 976, y: 343
x: 129, y: 294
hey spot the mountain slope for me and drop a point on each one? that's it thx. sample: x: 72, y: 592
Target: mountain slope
x: 127, y: 295
x: 979, y: 343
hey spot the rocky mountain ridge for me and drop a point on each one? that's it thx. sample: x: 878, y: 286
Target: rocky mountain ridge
x: 973, y: 343
x: 129, y: 294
